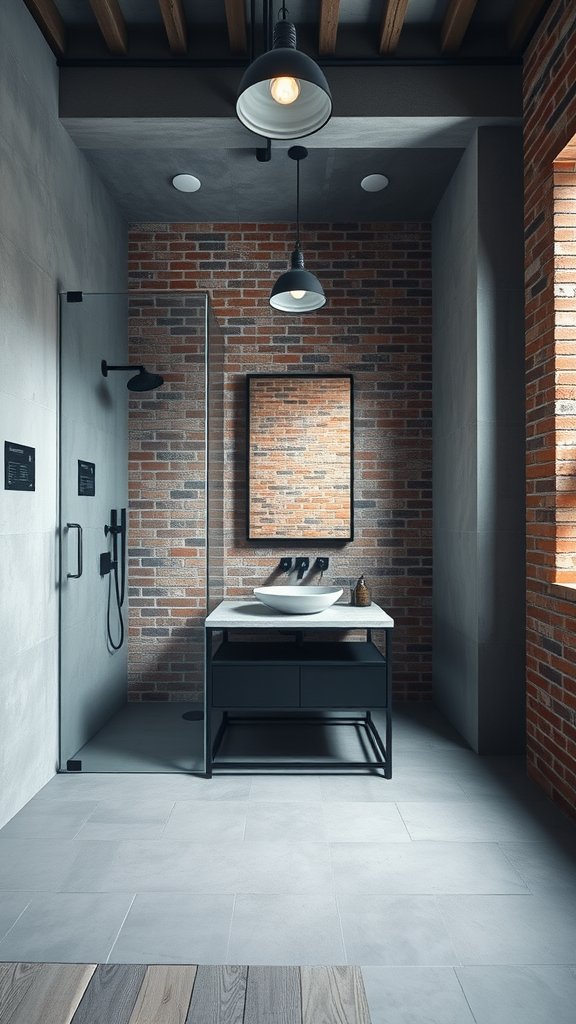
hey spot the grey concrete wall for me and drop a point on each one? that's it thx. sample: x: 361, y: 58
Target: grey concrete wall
x: 478, y: 639
x: 59, y: 230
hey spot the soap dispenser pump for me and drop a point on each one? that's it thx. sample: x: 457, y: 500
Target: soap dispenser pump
x: 361, y: 594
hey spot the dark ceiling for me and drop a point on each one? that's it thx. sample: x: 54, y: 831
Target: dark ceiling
x: 139, y: 132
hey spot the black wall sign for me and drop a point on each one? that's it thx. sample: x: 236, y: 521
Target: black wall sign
x: 19, y: 467
x: 86, y: 478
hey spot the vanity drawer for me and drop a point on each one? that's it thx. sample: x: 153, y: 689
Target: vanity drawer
x: 346, y: 686
x: 255, y: 686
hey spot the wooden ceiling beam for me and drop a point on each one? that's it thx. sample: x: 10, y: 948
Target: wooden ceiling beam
x: 49, y: 21
x: 236, y: 21
x: 455, y: 23
x: 175, y: 24
x: 112, y: 25
x: 523, y: 17
x: 329, y: 14
x: 393, y: 14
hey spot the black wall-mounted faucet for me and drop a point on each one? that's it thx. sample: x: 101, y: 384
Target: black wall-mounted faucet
x: 302, y: 564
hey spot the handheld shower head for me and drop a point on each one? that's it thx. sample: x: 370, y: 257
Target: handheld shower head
x: 142, y: 381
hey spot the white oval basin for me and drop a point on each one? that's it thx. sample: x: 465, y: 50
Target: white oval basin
x: 298, y: 600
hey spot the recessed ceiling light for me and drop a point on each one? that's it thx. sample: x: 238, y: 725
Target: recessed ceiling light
x: 374, y: 182
x: 186, y: 183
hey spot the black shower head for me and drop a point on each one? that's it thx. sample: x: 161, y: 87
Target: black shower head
x: 142, y: 381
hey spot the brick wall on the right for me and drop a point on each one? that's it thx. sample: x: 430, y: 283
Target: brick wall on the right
x: 550, y: 123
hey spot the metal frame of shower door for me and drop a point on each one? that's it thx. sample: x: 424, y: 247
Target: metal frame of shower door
x: 211, y: 746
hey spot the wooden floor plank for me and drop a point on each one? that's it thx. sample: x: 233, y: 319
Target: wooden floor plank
x: 333, y: 995
x: 111, y: 994
x: 219, y: 996
x: 165, y: 994
x: 42, y: 993
x: 273, y: 996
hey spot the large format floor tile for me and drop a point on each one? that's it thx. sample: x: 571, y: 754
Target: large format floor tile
x: 286, y: 930
x: 415, y: 995
x: 395, y: 930
x: 520, y: 995
x: 421, y: 868
x: 75, y: 927
x: 511, y: 929
x: 175, y: 928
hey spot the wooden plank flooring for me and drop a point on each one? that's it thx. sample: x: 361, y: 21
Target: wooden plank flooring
x: 180, y: 994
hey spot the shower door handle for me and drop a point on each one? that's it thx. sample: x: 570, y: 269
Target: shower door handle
x: 76, y: 575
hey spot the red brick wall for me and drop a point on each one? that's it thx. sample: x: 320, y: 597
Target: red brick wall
x: 550, y: 123
x: 376, y: 325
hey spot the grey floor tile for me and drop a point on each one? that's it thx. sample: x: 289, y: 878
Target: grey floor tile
x: 12, y: 904
x: 285, y: 787
x: 175, y: 928
x: 110, y: 831
x: 285, y: 868
x: 520, y: 995
x: 423, y: 868
x: 285, y: 930
x: 146, y: 810
x: 369, y: 822
x: 415, y: 995
x: 142, y: 787
x: 284, y: 821
x: 395, y: 930
x: 154, y: 866
x: 402, y: 787
x: 39, y: 864
x: 511, y: 930
x: 207, y: 820
x: 67, y: 928
x: 548, y: 866
x: 40, y: 820
x: 481, y: 820
x: 512, y: 782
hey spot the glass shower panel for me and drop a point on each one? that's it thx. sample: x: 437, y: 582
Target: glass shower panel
x: 138, y: 708
x: 93, y: 480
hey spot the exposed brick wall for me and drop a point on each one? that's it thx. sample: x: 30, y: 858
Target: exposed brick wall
x: 376, y: 325
x: 550, y: 123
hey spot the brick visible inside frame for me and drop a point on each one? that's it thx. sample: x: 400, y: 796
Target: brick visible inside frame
x: 299, y: 455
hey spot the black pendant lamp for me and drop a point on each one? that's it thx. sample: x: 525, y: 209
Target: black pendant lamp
x: 284, y: 94
x: 297, y: 291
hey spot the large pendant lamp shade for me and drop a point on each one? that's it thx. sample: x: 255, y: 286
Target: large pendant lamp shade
x: 297, y: 291
x: 284, y: 94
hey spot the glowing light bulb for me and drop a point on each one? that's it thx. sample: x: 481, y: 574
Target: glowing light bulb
x: 285, y: 90
x: 298, y: 294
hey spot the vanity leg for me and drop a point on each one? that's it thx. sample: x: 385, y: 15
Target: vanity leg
x: 388, y: 771
x: 208, y: 703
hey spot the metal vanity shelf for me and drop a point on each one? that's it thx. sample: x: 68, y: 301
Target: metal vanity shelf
x: 267, y: 683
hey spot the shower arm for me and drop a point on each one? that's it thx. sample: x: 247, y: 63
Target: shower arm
x: 131, y: 366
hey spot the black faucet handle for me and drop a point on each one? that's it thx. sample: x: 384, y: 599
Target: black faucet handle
x: 285, y: 564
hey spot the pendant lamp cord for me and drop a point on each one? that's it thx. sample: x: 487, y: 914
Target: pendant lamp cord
x: 297, y: 202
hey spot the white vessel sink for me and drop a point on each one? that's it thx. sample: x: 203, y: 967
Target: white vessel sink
x: 298, y: 600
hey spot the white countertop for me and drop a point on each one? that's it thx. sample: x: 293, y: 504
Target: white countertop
x: 255, y: 615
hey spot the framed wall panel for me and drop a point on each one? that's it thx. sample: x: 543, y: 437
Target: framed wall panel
x: 300, y: 444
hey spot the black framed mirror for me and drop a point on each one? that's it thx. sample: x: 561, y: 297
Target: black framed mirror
x: 300, y: 457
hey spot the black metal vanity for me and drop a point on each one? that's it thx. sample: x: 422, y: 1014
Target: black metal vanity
x: 262, y: 682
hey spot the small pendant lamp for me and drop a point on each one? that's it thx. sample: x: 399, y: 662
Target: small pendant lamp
x: 284, y: 94
x: 297, y: 291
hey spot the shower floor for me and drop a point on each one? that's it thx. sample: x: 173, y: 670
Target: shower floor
x: 155, y: 737
x: 150, y: 737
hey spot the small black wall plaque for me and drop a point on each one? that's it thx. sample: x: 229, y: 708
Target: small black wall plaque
x: 19, y: 467
x: 86, y: 478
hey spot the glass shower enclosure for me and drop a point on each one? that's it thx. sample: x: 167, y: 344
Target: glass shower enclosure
x: 141, y: 527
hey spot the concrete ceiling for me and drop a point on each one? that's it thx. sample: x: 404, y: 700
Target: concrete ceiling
x: 144, y: 114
